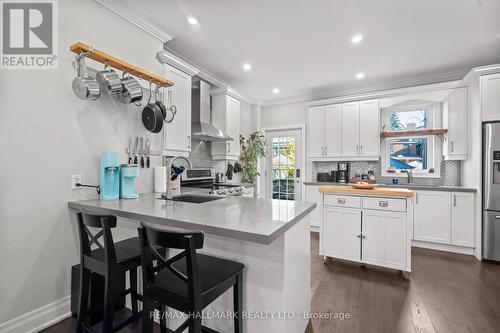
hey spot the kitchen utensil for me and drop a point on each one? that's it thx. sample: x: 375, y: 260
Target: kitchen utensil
x: 109, y: 81
x: 334, y: 176
x: 343, y: 169
x: 152, y: 118
x: 136, y: 151
x: 131, y: 91
x: 171, y: 108
x: 84, y: 86
x: 162, y: 106
x: 148, y: 151
x: 129, y: 150
x: 141, y: 151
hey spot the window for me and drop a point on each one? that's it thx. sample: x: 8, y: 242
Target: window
x: 418, y: 153
x: 283, y: 167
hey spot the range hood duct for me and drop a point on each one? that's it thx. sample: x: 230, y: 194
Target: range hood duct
x: 201, y: 127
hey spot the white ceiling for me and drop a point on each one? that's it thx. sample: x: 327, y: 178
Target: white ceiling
x: 302, y: 46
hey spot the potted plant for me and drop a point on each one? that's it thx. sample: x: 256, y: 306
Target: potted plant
x: 252, y: 149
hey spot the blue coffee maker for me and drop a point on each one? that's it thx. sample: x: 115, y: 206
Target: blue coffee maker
x: 110, y: 175
x: 128, y: 173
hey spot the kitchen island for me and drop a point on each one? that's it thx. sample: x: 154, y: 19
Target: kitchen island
x: 270, y: 237
x: 370, y: 226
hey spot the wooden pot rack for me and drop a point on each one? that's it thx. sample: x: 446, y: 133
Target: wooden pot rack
x: 119, y: 64
x: 394, y: 134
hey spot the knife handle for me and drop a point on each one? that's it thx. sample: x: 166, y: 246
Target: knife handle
x: 142, y: 161
x: 130, y: 160
x: 136, y: 161
x: 148, y: 162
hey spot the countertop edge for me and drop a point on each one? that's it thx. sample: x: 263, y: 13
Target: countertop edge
x: 443, y: 188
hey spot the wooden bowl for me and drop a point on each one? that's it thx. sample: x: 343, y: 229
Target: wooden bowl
x: 365, y: 186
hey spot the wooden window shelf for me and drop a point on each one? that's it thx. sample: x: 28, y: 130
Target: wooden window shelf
x: 395, y: 134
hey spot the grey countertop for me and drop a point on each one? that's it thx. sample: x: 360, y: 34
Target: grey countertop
x: 250, y: 219
x: 414, y: 187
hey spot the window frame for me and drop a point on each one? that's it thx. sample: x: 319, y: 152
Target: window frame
x: 434, y: 144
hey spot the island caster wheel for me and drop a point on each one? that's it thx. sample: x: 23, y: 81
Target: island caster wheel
x: 363, y: 268
x: 405, y: 275
x: 325, y: 260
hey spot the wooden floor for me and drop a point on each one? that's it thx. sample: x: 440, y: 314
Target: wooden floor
x: 446, y: 293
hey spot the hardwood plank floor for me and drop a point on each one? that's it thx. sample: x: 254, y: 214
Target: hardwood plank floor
x: 446, y: 293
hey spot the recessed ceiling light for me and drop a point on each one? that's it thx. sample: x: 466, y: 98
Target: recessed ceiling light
x: 192, y: 20
x: 247, y: 66
x: 276, y: 91
x: 357, y: 38
x: 360, y: 75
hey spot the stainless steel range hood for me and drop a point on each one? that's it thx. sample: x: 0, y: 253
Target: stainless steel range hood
x: 201, y: 127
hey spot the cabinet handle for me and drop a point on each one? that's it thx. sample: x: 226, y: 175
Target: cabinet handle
x: 497, y: 217
x: 359, y: 236
x: 452, y: 147
x: 326, y: 150
x: 454, y: 200
x: 322, y: 150
x: 229, y: 147
x: 341, y: 201
x: 361, y: 150
x: 416, y: 198
x: 357, y: 150
x: 189, y: 141
x: 383, y: 203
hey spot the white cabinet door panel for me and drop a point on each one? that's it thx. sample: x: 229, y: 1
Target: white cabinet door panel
x: 333, y: 132
x: 350, y: 129
x: 432, y: 216
x: 369, y: 128
x: 490, y: 97
x: 314, y: 195
x: 455, y: 119
x: 462, y: 219
x: 316, y: 131
x: 339, y: 233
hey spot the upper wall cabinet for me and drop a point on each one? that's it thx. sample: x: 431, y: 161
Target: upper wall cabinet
x: 226, y: 117
x: 349, y: 131
x: 490, y: 97
x: 177, y: 135
x: 324, y: 130
x: 455, y: 119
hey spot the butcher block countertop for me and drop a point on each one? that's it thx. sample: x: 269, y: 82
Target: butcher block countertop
x: 378, y: 191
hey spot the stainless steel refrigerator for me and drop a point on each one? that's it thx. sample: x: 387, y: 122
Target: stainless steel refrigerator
x: 491, y: 191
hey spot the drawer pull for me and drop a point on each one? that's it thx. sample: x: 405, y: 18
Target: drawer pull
x: 497, y: 217
x: 341, y: 201
x: 383, y: 203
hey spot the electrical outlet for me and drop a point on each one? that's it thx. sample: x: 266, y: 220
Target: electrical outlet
x: 74, y: 180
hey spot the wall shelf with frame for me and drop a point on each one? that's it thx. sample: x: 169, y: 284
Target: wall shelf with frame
x: 406, y: 133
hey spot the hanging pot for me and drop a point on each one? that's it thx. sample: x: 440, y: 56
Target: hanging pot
x: 131, y: 91
x: 160, y: 104
x: 109, y: 81
x: 152, y: 118
x: 83, y: 86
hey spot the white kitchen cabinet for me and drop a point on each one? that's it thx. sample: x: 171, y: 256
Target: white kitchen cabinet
x: 177, y: 135
x: 249, y: 192
x: 455, y: 119
x: 350, y: 129
x: 369, y: 128
x: 339, y: 233
x: 324, y: 128
x: 226, y: 117
x: 316, y: 131
x: 313, y: 195
x: 462, y: 219
x: 384, y: 239
x: 490, y: 97
x: 432, y: 222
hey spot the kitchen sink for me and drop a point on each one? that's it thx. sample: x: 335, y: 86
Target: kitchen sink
x: 195, y: 198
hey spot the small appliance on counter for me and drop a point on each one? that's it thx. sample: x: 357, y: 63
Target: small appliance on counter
x: 323, y: 177
x: 128, y: 173
x: 110, y: 175
x: 343, y: 172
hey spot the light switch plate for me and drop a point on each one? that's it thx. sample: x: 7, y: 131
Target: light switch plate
x: 74, y: 180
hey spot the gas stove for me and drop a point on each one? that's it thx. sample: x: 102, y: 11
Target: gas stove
x: 203, y: 178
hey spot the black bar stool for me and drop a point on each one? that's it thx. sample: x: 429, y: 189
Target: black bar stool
x: 111, y: 260
x: 187, y: 282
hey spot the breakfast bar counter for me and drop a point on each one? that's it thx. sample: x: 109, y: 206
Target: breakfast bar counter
x: 270, y: 237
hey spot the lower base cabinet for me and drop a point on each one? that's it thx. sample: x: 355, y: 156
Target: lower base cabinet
x: 314, y: 195
x: 374, y: 235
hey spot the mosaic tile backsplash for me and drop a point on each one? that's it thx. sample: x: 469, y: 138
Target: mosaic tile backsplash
x: 450, y: 172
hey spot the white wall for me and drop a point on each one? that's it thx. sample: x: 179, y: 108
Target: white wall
x: 283, y: 115
x: 47, y: 135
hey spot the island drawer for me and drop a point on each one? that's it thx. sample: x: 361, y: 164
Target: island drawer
x: 342, y: 201
x: 389, y: 204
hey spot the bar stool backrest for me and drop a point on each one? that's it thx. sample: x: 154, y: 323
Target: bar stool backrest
x: 189, y: 241
x: 87, y: 239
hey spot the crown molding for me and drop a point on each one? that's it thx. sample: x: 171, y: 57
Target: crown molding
x: 168, y: 58
x: 137, y: 18
x: 478, y: 71
x: 322, y: 95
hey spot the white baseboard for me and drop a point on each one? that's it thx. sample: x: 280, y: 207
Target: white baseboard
x: 38, y: 319
x: 443, y: 247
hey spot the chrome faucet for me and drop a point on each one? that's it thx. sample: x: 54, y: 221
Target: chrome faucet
x: 168, y: 193
x: 409, y: 174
